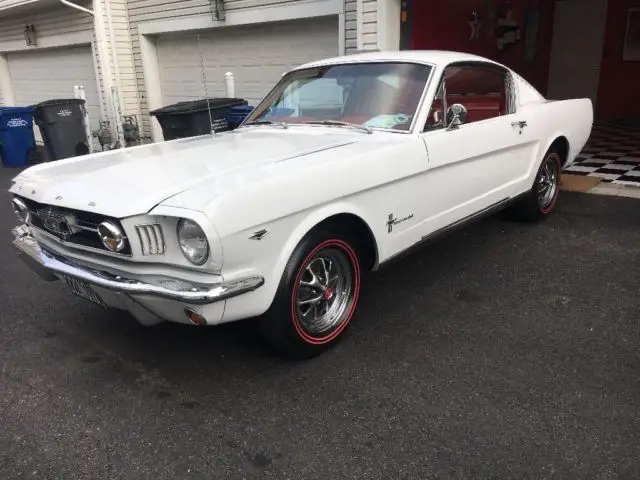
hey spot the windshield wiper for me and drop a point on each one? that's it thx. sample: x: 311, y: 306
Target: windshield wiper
x: 267, y: 122
x: 339, y: 123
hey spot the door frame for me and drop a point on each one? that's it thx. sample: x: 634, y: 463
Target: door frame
x: 554, y: 43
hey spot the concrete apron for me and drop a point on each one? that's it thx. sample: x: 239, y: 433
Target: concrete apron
x: 588, y: 184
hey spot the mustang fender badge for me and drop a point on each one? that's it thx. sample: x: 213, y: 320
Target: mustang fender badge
x: 259, y: 235
x: 392, y: 222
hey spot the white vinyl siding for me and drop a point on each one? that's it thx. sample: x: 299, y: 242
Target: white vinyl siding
x: 51, y: 24
x: 7, y: 4
x: 125, y: 66
x: 369, y: 24
x: 257, y: 55
x: 47, y: 74
x: 350, y: 26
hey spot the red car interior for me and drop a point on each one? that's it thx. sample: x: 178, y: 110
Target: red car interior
x: 488, y: 99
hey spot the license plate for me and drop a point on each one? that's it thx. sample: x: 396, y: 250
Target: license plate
x: 83, y: 290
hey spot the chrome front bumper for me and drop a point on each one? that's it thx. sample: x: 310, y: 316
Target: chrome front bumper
x: 49, y: 265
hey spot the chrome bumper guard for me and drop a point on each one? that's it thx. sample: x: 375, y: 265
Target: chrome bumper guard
x: 47, y: 264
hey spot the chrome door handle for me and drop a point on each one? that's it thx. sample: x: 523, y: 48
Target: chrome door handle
x: 520, y: 124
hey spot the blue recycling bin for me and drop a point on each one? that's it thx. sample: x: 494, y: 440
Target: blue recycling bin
x: 237, y: 115
x: 17, y: 143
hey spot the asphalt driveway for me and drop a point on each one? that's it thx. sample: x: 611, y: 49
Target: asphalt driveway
x: 503, y: 351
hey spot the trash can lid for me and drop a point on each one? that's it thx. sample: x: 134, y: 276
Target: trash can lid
x: 16, y: 110
x: 199, y: 105
x: 242, y: 109
x: 59, y: 101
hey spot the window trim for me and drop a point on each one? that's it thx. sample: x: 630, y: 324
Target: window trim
x: 413, y: 128
x: 510, y: 86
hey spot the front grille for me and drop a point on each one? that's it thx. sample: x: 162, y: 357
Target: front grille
x: 80, y: 227
x: 151, y: 239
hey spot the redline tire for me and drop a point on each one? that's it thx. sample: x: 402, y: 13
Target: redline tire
x: 553, y: 161
x: 530, y: 207
x: 323, y: 273
x: 353, y: 300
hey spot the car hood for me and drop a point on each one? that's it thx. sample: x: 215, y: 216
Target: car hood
x: 126, y: 182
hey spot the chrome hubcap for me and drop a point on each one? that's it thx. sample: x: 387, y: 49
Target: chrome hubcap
x: 548, y: 183
x: 324, y: 292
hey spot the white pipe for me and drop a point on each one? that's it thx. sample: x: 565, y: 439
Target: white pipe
x: 117, y: 96
x: 77, y: 7
x: 107, y: 77
x: 6, y: 88
x: 105, y: 64
x: 229, y: 85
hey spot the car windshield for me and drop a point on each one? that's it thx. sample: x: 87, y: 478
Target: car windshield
x: 375, y: 95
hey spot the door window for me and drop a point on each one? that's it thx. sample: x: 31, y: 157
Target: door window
x: 483, y: 90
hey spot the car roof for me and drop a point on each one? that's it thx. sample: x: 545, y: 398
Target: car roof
x: 435, y: 57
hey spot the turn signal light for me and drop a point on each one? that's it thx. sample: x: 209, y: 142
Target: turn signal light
x: 195, y: 317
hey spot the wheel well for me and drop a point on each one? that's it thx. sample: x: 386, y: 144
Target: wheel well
x: 561, y: 145
x: 366, y: 245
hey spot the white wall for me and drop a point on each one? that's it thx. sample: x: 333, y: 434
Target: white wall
x: 378, y: 24
x: 388, y: 24
x: 351, y: 26
x: 367, y: 24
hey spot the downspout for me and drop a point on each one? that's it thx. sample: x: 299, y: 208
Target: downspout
x: 114, y: 56
x: 107, y: 76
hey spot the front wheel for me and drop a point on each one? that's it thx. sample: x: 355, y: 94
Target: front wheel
x: 316, y: 298
x: 538, y: 203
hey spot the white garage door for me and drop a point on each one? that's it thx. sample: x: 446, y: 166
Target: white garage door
x: 52, y: 73
x: 257, y: 56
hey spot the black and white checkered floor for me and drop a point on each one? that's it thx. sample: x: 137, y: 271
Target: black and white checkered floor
x: 611, y: 154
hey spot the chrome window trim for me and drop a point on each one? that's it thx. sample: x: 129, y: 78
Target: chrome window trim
x: 509, y: 81
x: 347, y: 61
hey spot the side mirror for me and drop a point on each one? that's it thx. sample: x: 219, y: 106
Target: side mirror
x: 456, y: 116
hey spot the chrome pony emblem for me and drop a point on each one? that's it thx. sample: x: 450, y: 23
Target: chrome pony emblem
x: 61, y: 224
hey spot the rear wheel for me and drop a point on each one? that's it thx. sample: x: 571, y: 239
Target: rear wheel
x: 539, y: 202
x: 316, y: 298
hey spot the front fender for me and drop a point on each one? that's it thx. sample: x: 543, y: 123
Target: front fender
x: 315, y: 217
x: 269, y: 256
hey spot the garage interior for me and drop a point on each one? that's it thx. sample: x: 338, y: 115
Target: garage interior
x: 564, y: 48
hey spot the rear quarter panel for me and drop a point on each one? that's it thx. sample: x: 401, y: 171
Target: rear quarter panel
x: 548, y: 121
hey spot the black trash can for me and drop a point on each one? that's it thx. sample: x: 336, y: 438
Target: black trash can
x: 190, y: 119
x: 61, y: 123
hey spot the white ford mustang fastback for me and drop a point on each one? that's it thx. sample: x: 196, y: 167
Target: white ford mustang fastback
x: 345, y: 164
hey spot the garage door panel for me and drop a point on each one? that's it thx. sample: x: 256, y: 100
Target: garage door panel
x: 41, y: 75
x: 257, y: 56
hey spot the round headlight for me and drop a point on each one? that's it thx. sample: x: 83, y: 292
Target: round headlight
x: 21, y: 210
x: 193, y: 241
x: 111, y: 236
